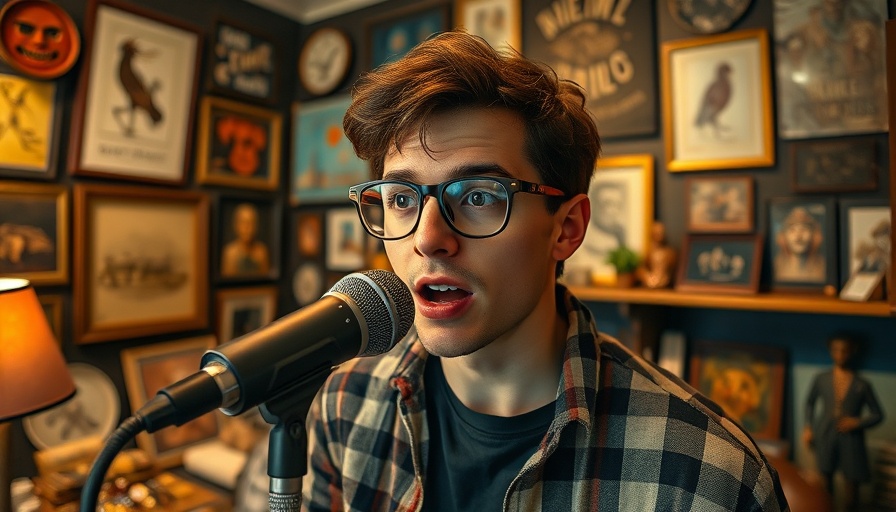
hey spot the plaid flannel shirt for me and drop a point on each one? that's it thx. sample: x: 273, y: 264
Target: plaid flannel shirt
x: 626, y: 436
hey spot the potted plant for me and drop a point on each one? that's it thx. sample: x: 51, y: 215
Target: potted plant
x: 625, y: 261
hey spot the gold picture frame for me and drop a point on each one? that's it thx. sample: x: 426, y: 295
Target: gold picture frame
x: 34, y: 225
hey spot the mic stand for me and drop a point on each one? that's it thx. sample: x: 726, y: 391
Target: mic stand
x: 288, y: 441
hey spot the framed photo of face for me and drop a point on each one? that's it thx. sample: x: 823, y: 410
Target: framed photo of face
x: 248, y: 232
x: 803, y: 243
x: 496, y: 21
x: 721, y: 204
x: 720, y: 264
x: 865, y: 232
x: 34, y: 232
x: 242, y: 310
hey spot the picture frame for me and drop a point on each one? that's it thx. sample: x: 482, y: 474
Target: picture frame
x: 309, y: 233
x: 135, y: 275
x: 720, y: 204
x: 52, y: 304
x: 35, y: 115
x: 497, y: 21
x: 830, y: 166
x: 324, y: 160
x: 36, y: 217
x: 723, y: 371
x: 239, y: 144
x: 247, y: 237
x: 803, y: 243
x: 862, y: 286
x: 717, y: 107
x: 391, y: 35
x: 43, y: 54
x: 865, y: 230
x: 730, y: 264
x: 145, y: 139
x: 149, y: 368
x: 345, y: 240
x: 242, y: 63
x: 621, y: 193
x: 243, y: 310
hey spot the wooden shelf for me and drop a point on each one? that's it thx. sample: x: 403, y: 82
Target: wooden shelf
x: 779, y: 302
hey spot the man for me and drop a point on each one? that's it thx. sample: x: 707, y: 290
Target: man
x: 503, y: 395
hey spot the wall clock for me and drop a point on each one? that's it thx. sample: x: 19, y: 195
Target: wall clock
x: 707, y: 16
x: 325, y: 60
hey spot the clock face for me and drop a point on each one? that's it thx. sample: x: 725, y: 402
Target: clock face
x: 325, y: 60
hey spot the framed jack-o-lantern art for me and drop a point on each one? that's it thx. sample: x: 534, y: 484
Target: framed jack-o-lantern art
x: 38, y: 38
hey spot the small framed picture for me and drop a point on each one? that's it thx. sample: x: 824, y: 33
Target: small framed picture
x: 391, y: 36
x: 862, y: 286
x: 346, y: 245
x: 34, y: 232
x: 309, y: 233
x: 496, y: 21
x: 803, y: 243
x: 720, y: 264
x: 243, y: 310
x: 248, y: 237
x: 243, y: 63
x: 720, y: 204
x: 840, y: 165
x: 864, y: 237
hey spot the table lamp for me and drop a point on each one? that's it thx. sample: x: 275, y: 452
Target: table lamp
x: 33, y: 374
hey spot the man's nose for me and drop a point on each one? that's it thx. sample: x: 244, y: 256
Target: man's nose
x: 433, y: 234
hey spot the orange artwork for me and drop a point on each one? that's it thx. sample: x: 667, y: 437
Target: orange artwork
x: 39, y: 38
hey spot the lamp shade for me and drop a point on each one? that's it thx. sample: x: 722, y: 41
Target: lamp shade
x: 33, y: 374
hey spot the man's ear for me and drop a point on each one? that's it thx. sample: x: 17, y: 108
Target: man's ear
x: 573, y: 217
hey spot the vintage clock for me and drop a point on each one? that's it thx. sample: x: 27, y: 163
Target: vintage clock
x: 325, y: 60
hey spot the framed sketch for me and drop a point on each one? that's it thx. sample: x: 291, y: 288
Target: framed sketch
x: 34, y: 232
x: 803, y: 243
x: 345, y: 240
x: 865, y: 232
x: 831, y: 67
x: 248, y: 238
x: 133, y: 112
x: 243, y: 63
x: 239, y: 145
x: 32, y: 114
x: 745, y: 380
x: 621, y: 193
x: 52, y: 305
x: 149, y: 368
x: 390, y: 36
x: 324, y: 164
x: 839, y: 165
x: 717, y: 102
x: 242, y: 310
x: 720, y: 264
x: 722, y: 204
x: 136, y: 275
x: 496, y: 21
x: 707, y: 16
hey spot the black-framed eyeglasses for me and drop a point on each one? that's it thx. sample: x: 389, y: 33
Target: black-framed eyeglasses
x: 475, y: 207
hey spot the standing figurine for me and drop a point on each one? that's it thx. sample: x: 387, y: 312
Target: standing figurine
x: 659, y: 265
x: 837, y: 434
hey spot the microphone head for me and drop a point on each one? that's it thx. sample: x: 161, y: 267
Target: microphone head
x: 385, y: 303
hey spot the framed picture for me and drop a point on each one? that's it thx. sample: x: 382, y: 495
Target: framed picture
x: 39, y: 38
x: 248, y: 238
x: 133, y: 112
x: 621, y: 194
x: 52, y: 305
x: 864, y: 237
x: 239, y: 145
x: 149, y: 368
x: 345, y: 240
x: 861, y: 286
x: 34, y: 232
x: 324, y: 163
x: 722, y: 204
x: 242, y: 310
x: 390, y: 36
x: 821, y: 49
x: 135, y: 274
x: 496, y: 21
x: 841, y: 165
x: 803, y: 243
x: 29, y: 146
x: 717, y: 102
x: 720, y: 264
x: 242, y: 63
x: 309, y: 233
x: 746, y: 380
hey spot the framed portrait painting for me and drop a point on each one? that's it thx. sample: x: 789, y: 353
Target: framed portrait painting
x: 865, y: 232
x: 390, y: 36
x: 248, y: 237
x: 34, y: 232
x: 32, y: 113
x: 717, y: 102
x: 720, y: 264
x: 133, y: 112
x: 722, y: 204
x: 496, y: 21
x: 135, y: 274
x: 242, y: 310
x: 803, y: 243
x: 834, y: 165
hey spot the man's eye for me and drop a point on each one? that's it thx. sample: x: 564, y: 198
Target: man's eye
x: 479, y: 198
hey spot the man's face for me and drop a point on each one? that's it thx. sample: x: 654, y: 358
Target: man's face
x: 494, y: 283
x: 608, y: 205
x: 798, y: 237
x: 245, y: 222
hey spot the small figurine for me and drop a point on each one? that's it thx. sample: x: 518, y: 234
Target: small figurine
x: 837, y: 434
x: 659, y: 265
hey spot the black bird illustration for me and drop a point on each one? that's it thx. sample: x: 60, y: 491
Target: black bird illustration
x: 715, y: 99
x: 139, y: 94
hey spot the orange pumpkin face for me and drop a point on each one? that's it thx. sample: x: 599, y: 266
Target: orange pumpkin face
x: 39, y: 38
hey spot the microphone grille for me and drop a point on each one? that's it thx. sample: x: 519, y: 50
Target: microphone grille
x: 386, y: 304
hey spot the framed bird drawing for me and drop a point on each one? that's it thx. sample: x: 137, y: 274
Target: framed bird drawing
x: 133, y: 112
x: 717, y: 102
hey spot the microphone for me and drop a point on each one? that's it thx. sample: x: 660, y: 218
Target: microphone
x: 364, y: 314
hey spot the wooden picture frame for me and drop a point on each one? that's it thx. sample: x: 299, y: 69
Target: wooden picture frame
x: 621, y: 194
x: 720, y: 204
x: 247, y: 237
x: 717, y: 106
x: 730, y: 264
x: 865, y: 230
x: 34, y: 219
x: 345, y: 240
x: 32, y: 114
x: 497, y: 21
x: 239, y: 144
x: 139, y: 129
x: 746, y: 380
x: 243, y: 310
x: 136, y: 274
x: 149, y: 368
x: 839, y: 165
x: 242, y: 63
x: 803, y: 243
x: 391, y: 35
x: 52, y: 304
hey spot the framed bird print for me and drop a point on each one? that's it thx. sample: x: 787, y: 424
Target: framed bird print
x: 717, y: 107
x: 133, y: 112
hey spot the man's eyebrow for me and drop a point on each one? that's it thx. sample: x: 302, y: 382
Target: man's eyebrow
x: 462, y: 171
